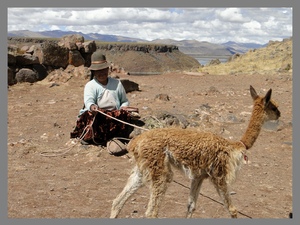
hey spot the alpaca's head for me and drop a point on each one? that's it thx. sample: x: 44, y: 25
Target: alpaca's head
x: 272, y: 110
x: 270, y: 107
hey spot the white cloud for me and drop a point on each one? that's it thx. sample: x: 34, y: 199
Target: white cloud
x: 252, y: 25
x: 203, y: 24
x: 271, y: 23
x: 231, y: 15
x: 54, y: 27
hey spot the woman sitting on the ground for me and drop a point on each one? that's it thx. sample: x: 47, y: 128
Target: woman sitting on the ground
x: 105, y: 94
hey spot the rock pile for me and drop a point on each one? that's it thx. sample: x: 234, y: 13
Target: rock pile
x: 35, y: 62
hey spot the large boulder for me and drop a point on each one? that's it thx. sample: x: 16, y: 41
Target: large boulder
x: 52, y: 54
x: 26, y: 75
x: 129, y: 85
x: 89, y: 47
x: 75, y: 58
x: 71, y: 41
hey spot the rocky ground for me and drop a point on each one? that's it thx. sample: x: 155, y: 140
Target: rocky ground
x: 48, y: 177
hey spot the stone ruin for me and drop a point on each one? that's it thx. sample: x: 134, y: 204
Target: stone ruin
x: 56, y: 60
x: 34, y: 63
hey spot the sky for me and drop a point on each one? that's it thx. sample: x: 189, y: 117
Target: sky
x: 215, y: 25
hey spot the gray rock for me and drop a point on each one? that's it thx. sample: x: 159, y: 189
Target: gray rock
x: 26, y: 75
x: 129, y: 85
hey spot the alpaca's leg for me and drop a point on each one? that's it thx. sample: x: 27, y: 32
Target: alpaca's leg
x: 157, y: 191
x: 159, y: 181
x: 134, y: 182
x: 225, y: 195
x: 228, y: 203
x: 194, y: 194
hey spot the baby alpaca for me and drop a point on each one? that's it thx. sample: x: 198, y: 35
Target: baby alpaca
x: 199, y: 155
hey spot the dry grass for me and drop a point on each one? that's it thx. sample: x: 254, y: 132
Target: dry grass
x: 275, y: 58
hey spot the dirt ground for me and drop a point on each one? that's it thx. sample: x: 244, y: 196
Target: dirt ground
x: 49, y: 179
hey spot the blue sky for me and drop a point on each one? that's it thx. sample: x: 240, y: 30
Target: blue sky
x: 216, y: 25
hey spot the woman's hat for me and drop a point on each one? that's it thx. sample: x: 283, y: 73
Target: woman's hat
x: 98, y: 61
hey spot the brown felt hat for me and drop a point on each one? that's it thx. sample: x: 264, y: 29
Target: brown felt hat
x: 98, y: 61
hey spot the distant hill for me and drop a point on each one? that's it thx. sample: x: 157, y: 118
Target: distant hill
x: 59, y: 34
x: 241, y: 47
x: 189, y: 47
x: 26, y: 33
x: 197, y: 48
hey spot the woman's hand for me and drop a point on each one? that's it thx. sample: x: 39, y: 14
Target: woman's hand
x: 94, y: 108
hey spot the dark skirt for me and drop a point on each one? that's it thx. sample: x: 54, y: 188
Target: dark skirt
x: 98, y: 128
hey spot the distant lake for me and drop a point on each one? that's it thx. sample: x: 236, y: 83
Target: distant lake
x: 203, y: 60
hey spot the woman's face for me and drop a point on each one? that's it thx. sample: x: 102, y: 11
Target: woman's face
x: 101, y: 75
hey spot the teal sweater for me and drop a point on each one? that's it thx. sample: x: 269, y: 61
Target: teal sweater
x: 94, y: 90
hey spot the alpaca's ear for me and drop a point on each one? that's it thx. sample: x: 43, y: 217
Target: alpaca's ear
x: 253, y: 93
x: 268, y: 97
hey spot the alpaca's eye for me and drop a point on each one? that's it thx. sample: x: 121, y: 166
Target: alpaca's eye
x: 273, y: 107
